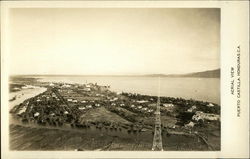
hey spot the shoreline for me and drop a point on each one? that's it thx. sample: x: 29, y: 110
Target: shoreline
x: 148, y: 86
x: 92, y: 109
x: 23, y: 95
x: 128, y: 87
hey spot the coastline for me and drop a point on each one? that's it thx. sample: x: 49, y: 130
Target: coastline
x: 180, y: 87
x: 24, y: 94
x: 112, y: 114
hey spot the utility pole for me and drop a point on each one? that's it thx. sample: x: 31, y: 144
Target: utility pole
x: 157, y: 141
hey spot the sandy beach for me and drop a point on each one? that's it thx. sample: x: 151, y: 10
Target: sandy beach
x: 23, y: 95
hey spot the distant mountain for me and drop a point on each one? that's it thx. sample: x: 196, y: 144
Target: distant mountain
x: 204, y: 74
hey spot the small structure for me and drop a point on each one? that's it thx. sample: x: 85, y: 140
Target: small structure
x: 150, y: 110
x: 191, y: 109
x: 66, y: 112
x: 66, y: 86
x: 36, y: 114
x: 97, y: 105
x: 168, y: 105
x: 199, y: 115
x: 81, y: 108
x: 118, y: 93
x: 51, y: 84
x: 88, y: 85
x: 69, y: 100
x: 210, y: 105
x: 89, y: 106
x: 142, y: 101
x: 190, y: 124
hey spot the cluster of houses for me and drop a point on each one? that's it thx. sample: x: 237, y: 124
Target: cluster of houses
x: 199, y: 115
x: 97, y: 96
x: 141, y: 108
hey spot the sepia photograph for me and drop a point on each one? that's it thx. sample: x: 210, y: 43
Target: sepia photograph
x: 112, y: 79
x: 124, y: 79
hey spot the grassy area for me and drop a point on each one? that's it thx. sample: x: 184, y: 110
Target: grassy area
x: 52, y: 139
x: 101, y: 115
x: 31, y: 138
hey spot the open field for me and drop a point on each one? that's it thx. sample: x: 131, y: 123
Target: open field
x: 100, y: 115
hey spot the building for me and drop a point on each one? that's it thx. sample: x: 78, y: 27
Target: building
x: 142, y: 101
x: 168, y: 105
x: 191, y: 109
x: 210, y: 105
x: 199, y: 115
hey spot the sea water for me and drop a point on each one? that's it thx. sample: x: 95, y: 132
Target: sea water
x: 203, y: 89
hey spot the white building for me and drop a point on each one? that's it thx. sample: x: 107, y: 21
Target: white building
x: 150, y: 110
x: 210, y: 105
x: 192, y: 108
x: 199, y: 115
x: 69, y: 100
x: 51, y: 84
x: 66, y: 112
x: 97, y: 105
x: 36, y: 114
x: 168, y: 105
x: 66, y: 86
x: 89, y: 106
x: 142, y: 101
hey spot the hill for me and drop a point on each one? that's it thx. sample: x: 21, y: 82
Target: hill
x: 203, y: 74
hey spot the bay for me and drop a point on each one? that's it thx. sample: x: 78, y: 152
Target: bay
x: 203, y: 89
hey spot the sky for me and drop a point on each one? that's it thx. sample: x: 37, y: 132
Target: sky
x: 113, y: 41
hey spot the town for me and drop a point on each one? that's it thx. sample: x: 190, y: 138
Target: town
x: 95, y: 108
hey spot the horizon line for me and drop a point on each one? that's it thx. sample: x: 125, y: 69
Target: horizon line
x: 152, y: 74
